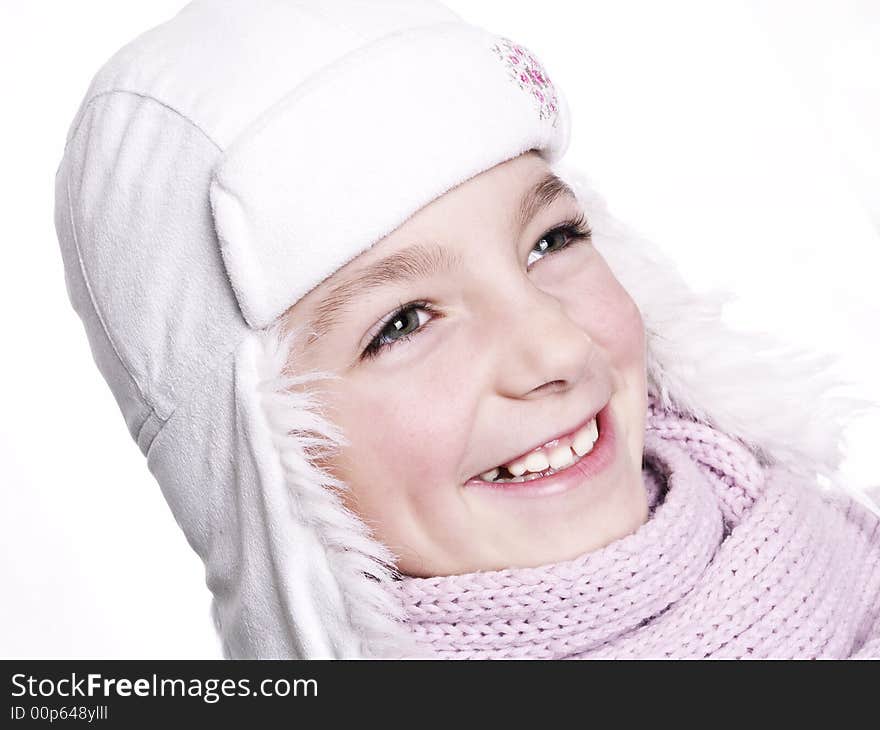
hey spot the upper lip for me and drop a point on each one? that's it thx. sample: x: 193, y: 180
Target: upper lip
x: 567, y: 432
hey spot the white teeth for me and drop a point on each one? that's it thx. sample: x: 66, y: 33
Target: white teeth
x: 561, y: 456
x: 556, y: 458
x: 537, y: 461
x: 585, y: 438
x: 526, y: 478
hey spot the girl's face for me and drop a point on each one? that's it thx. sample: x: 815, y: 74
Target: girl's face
x: 477, y: 335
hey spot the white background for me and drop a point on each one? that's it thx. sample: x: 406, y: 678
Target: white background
x: 743, y: 137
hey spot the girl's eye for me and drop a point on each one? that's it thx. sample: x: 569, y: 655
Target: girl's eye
x: 405, y: 322
x: 571, y: 231
x: 402, y: 325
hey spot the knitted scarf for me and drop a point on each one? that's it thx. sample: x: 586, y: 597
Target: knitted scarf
x: 735, y: 560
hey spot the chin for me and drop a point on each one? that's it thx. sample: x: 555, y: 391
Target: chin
x: 576, y: 532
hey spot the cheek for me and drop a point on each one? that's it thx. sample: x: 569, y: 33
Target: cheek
x: 402, y: 438
x: 605, y: 310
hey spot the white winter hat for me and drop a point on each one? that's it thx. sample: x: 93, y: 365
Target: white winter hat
x: 196, y: 202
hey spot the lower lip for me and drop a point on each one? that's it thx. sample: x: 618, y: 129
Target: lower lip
x: 571, y: 477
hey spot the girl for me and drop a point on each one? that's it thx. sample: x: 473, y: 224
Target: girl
x: 407, y: 387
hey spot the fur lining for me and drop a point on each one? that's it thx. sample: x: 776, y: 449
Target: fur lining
x: 361, y: 565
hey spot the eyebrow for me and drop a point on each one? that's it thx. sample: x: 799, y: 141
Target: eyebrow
x: 422, y: 260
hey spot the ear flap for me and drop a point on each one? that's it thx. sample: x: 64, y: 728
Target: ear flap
x: 293, y: 573
x: 288, y: 601
x: 312, y: 565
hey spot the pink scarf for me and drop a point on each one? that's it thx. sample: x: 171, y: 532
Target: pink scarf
x: 735, y: 560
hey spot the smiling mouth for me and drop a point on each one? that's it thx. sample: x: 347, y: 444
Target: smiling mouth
x: 557, y: 455
x: 583, y: 471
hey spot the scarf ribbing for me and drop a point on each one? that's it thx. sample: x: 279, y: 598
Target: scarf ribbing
x: 735, y: 560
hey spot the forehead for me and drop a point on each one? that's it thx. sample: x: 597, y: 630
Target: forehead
x: 504, y: 186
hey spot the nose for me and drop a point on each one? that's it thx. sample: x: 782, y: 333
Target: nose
x: 542, y: 350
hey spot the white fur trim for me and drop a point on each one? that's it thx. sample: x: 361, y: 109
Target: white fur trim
x: 360, y: 566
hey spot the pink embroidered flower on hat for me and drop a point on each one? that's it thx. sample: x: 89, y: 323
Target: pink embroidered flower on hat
x: 529, y: 74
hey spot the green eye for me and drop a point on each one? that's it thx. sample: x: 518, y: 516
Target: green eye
x: 546, y: 243
x: 403, y: 324
x: 560, y: 238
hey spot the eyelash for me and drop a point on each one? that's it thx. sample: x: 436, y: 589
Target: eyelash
x: 578, y: 231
